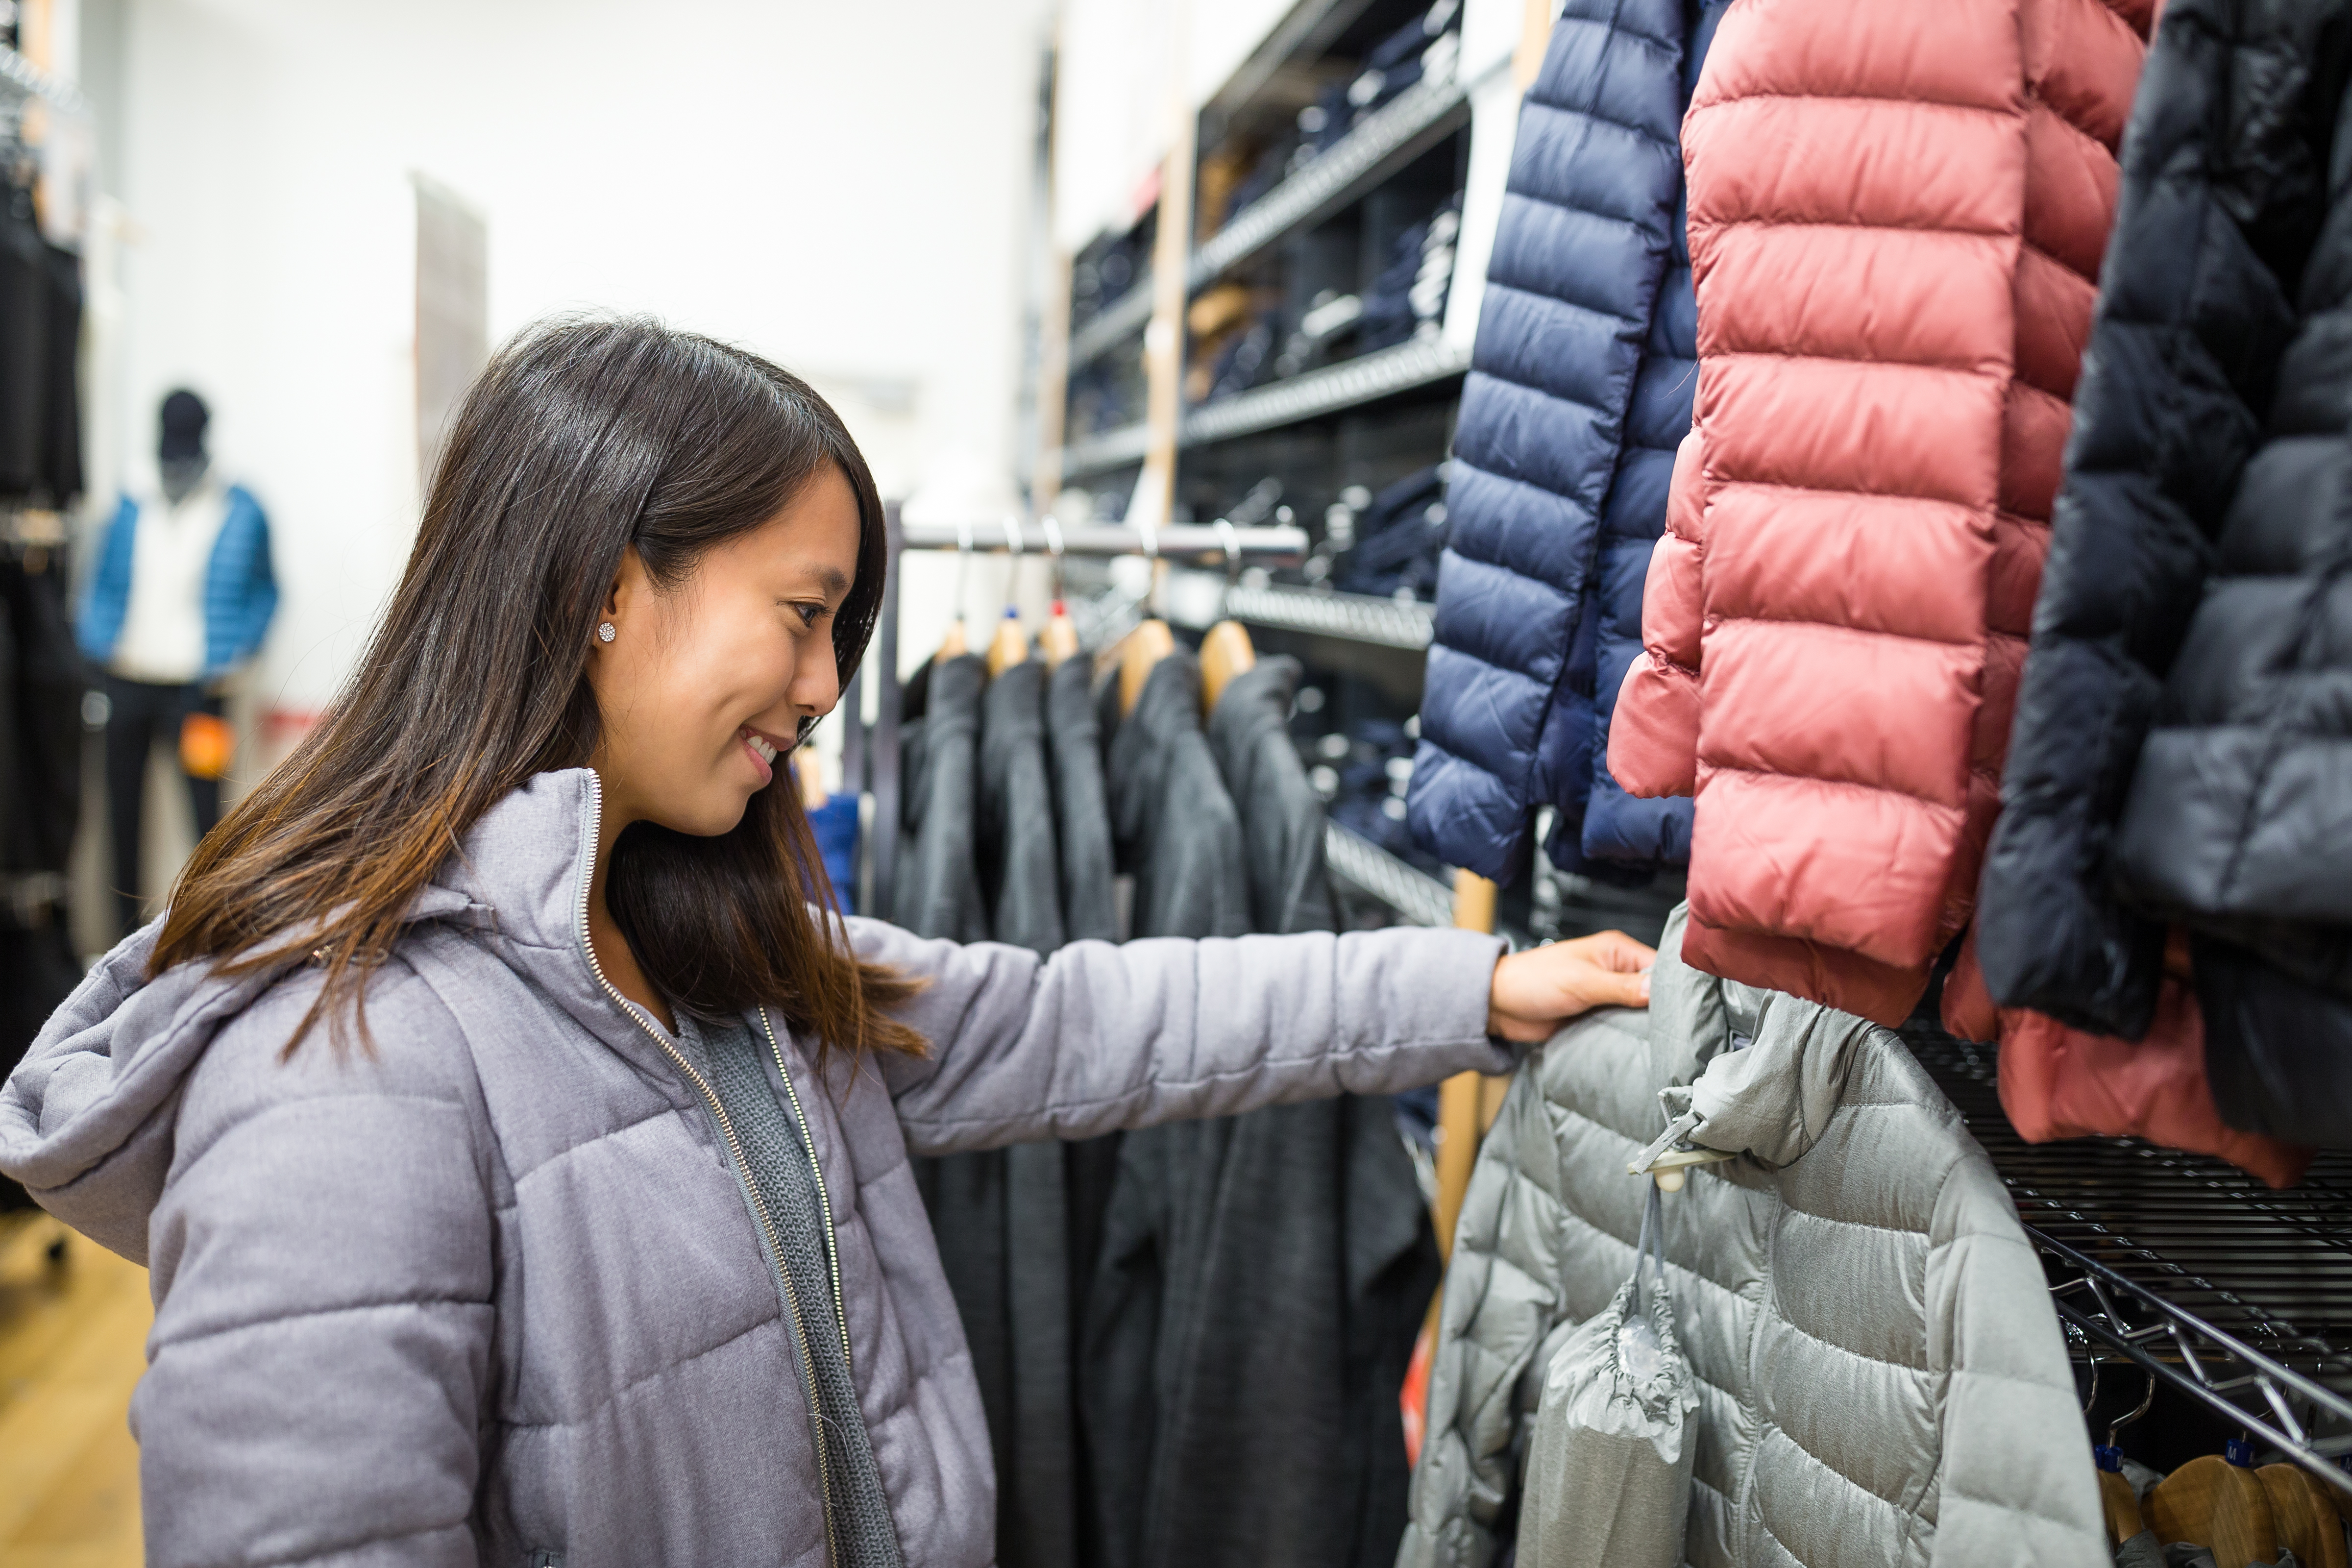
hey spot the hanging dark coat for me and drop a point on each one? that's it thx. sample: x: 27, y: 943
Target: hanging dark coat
x: 1263, y: 1275
x: 982, y: 855
x: 2183, y: 747
x: 1081, y: 809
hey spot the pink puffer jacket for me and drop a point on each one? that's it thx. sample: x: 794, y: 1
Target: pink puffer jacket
x: 1896, y: 219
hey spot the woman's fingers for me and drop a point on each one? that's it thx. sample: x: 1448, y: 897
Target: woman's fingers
x: 1615, y: 949
x: 1533, y: 991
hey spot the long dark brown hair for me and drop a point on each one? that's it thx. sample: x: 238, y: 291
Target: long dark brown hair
x: 584, y: 438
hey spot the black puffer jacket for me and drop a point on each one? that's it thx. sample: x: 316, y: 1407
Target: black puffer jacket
x: 2183, y: 742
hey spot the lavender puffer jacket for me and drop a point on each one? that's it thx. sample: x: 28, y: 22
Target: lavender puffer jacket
x: 491, y: 1294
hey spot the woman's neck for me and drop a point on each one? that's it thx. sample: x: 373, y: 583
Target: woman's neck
x: 614, y: 955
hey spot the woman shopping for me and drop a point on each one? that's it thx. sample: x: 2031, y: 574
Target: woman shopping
x: 520, y: 1158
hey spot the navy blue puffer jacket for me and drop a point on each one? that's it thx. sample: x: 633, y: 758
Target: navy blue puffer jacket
x: 1579, y: 389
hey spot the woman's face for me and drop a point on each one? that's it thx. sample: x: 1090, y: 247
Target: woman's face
x: 702, y: 690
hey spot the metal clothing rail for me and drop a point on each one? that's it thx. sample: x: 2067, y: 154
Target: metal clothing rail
x: 870, y: 761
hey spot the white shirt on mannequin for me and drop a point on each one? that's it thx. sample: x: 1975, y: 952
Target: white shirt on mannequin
x: 164, y: 625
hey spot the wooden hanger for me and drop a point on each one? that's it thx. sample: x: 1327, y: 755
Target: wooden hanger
x: 1145, y: 646
x: 1010, y: 645
x: 2214, y: 1503
x: 1226, y: 650
x: 2303, y: 1507
x: 1059, y: 636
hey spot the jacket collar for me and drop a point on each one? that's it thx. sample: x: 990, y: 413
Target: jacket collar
x: 1748, y: 1070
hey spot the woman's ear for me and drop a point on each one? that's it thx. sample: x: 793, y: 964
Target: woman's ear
x: 628, y: 592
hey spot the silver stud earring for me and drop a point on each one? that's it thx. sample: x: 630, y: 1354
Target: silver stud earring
x: 606, y: 633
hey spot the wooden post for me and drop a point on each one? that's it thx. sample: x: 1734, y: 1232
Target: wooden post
x: 1458, y: 1099
x: 1535, y: 36
x: 1163, y: 340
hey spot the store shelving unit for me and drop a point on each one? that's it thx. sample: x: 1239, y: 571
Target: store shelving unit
x: 1334, y: 389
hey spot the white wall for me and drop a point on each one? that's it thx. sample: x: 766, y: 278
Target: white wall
x: 840, y: 187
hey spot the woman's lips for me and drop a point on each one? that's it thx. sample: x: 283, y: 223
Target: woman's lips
x: 761, y: 750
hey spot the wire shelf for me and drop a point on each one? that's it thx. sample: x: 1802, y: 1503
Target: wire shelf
x: 1335, y: 388
x: 1390, y: 138
x: 1357, y: 617
x: 1419, y: 898
x: 1120, y: 321
x: 1331, y: 390
x: 2234, y: 1294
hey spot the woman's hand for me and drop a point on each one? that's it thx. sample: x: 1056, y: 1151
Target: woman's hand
x: 1535, y: 991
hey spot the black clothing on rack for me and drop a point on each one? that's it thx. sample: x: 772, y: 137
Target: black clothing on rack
x: 2180, y: 746
x: 1081, y: 811
x: 1282, y: 818
x: 1263, y: 1276
x: 938, y: 882
x: 61, y: 390
x: 25, y: 308
x: 1020, y: 873
x: 1172, y: 824
x: 980, y: 844
x: 41, y: 685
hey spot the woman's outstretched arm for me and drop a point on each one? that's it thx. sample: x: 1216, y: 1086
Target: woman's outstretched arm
x: 1102, y: 1037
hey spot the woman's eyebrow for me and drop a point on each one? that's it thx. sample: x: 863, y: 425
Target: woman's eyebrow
x: 833, y: 582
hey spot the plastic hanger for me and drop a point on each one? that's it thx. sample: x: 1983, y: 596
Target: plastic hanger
x: 1226, y: 651
x: 1011, y: 643
x: 1059, y: 636
x: 2117, y: 1501
x: 958, y: 642
x: 1149, y: 642
x: 2217, y: 1501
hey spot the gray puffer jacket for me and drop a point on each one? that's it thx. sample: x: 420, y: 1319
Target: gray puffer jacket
x: 1880, y: 1375
x: 491, y: 1294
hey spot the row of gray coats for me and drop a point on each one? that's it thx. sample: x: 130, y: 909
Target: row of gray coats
x: 1189, y: 1338
x: 1880, y: 1373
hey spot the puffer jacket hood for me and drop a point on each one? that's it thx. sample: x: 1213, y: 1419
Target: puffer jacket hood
x: 492, y: 1289
x: 1897, y: 222
x: 2181, y: 736
x: 1882, y: 1377
x: 1580, y: 386
x: 87, y: 1122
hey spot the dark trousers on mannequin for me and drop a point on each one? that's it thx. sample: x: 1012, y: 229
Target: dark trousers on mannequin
x: 142, y: 715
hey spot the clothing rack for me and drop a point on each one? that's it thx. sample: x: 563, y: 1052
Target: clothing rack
x: 870, y: 759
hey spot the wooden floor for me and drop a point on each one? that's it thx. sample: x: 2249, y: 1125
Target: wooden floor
x: 71, y: 1338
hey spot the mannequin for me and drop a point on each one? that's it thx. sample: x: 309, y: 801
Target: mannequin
x: 181, y: 598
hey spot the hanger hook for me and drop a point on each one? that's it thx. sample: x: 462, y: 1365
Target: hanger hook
x: 964, y: 563
x: 1012, y: 534
x: 1230, y: 540
x: 2093, y: 1398
x: 1151, y: 532
x: 1053, y: 527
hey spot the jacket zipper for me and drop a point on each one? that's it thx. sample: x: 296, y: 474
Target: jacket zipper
x: 824, y: 1199
x: 742, y: 1171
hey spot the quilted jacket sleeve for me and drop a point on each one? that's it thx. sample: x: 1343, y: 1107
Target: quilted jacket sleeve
x: 322, y: 1272
x: 1101, y: 1036
x: 1654, y: 739
x: 2220, y: 206
x: 1580, y: 249
x: 1500, y: 1305
x: 2015, y: 1482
